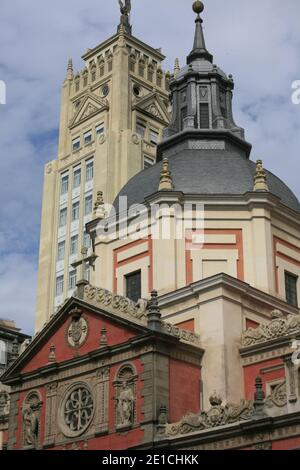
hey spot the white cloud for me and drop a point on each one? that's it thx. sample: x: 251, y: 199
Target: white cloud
x: 258, y: 42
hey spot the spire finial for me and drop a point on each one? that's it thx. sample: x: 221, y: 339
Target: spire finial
x: 70, y: 72
x: 176, y: 67
x: 166, y: 182
x: 260, y: 177
x: 154, y: 315
x: 198, y: 7
x: 125, y: 9
x: 199, y: 49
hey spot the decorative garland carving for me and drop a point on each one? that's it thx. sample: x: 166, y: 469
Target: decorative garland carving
x: 278, y: 397
x: 179, y: 333
x: 275, y: 329
x: 218, y: 415
x: 116, y: 302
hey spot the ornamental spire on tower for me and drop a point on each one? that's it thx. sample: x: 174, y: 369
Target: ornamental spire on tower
x: 125, y: 9
x: 199, y: 49
x: 70, y: 72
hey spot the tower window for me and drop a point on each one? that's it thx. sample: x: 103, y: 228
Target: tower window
x: 291, y: 289
x: 64, y: 185
x: 153, y: 137
x: 77, y: 178
x: 86, y: 240
x: 72, y: 279
x: 148, y: 162
x: 75, y: 211
x: 61, y: 251
x: 87, y: 137
x: 204, y: 116
x: 133, y: 286
x: 63, y: 217
x: 183, y: 116
x: 89, y: 175
x: 59, y: 285
x: 74, y: 245
x: 2, y: 353
x: 87, y: 272
x: 76, y: 144
x: 100, y: 129
x: 88, y: 205
x: 140, y: 129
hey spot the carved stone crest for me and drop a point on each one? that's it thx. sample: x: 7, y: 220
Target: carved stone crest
x: 78, y: 329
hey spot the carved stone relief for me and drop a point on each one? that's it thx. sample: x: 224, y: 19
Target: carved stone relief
x: 31, y: 411
x: 76, y: 410
x: 125, y: 396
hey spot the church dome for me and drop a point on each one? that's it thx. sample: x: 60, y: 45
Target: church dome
x: 206, y: 173
x: 207, y: 151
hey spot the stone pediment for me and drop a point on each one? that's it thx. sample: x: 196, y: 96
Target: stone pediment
x: 153, y: 106
x: 90, y: 106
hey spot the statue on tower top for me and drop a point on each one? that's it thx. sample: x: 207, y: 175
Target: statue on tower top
x: 125, y: 9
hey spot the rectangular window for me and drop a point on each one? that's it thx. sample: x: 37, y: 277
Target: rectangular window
x: 3, y: 350
x: 75, y: 211
x: 74, y: 246
x: 291, y: 289
x: 87, y: 272
x: 88, y: 205
x: 87, y: 137
x: 204, y: 116
x: 148, y: 162
x: 72, y: 279
x: 86, y: 240
x: 63, y: 217
x: 76, y: 144
x: 140, y: 129
x: 183, y: 116
x: 89, y: 174
x: 61, y: 251
x: 77, y: 178
x: 153, y: 137
x: 64, y: 187
x: 100, y: 129
x: 59, y: 285
x: 133, y: 286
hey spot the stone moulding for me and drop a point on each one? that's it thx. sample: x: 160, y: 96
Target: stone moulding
x: 218, y: 415
x: 277, y: 328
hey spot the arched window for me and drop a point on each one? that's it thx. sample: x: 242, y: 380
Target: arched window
x: 3, y: 351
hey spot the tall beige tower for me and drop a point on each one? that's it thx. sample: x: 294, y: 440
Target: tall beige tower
x: 113, y: 113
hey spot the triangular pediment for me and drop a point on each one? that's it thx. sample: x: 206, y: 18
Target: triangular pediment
x: 153, y: 106
x: 103, y: 316
x: 90, y: 106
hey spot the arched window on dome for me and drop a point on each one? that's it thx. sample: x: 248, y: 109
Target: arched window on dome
x: 3, y: 351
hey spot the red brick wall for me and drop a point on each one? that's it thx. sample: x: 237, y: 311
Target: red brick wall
x: 184, y: 391
x: 188, y: 325
x: 254, y: 370
x: 251, y: 324
x: 115, y: 335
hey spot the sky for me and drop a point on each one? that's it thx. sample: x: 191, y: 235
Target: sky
x: 258, y: 42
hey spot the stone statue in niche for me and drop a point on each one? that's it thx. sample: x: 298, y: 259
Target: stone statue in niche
x: 30, y: 425
x: 4, y: 403
x: 125, y: 406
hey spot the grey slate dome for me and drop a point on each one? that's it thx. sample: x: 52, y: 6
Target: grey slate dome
x: 206, y: 173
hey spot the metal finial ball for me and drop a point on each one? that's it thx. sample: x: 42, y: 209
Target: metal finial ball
x: 198, y: 7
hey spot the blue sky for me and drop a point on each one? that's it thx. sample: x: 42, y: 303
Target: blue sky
x: 258, y: 42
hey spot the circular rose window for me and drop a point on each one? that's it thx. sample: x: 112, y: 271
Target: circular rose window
x: 77, y: 410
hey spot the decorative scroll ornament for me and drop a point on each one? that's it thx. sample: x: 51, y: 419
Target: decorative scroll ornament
x: 275, y: 329
x: 116, y: 302
x: 218, y: 415
x: 278, y: 397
